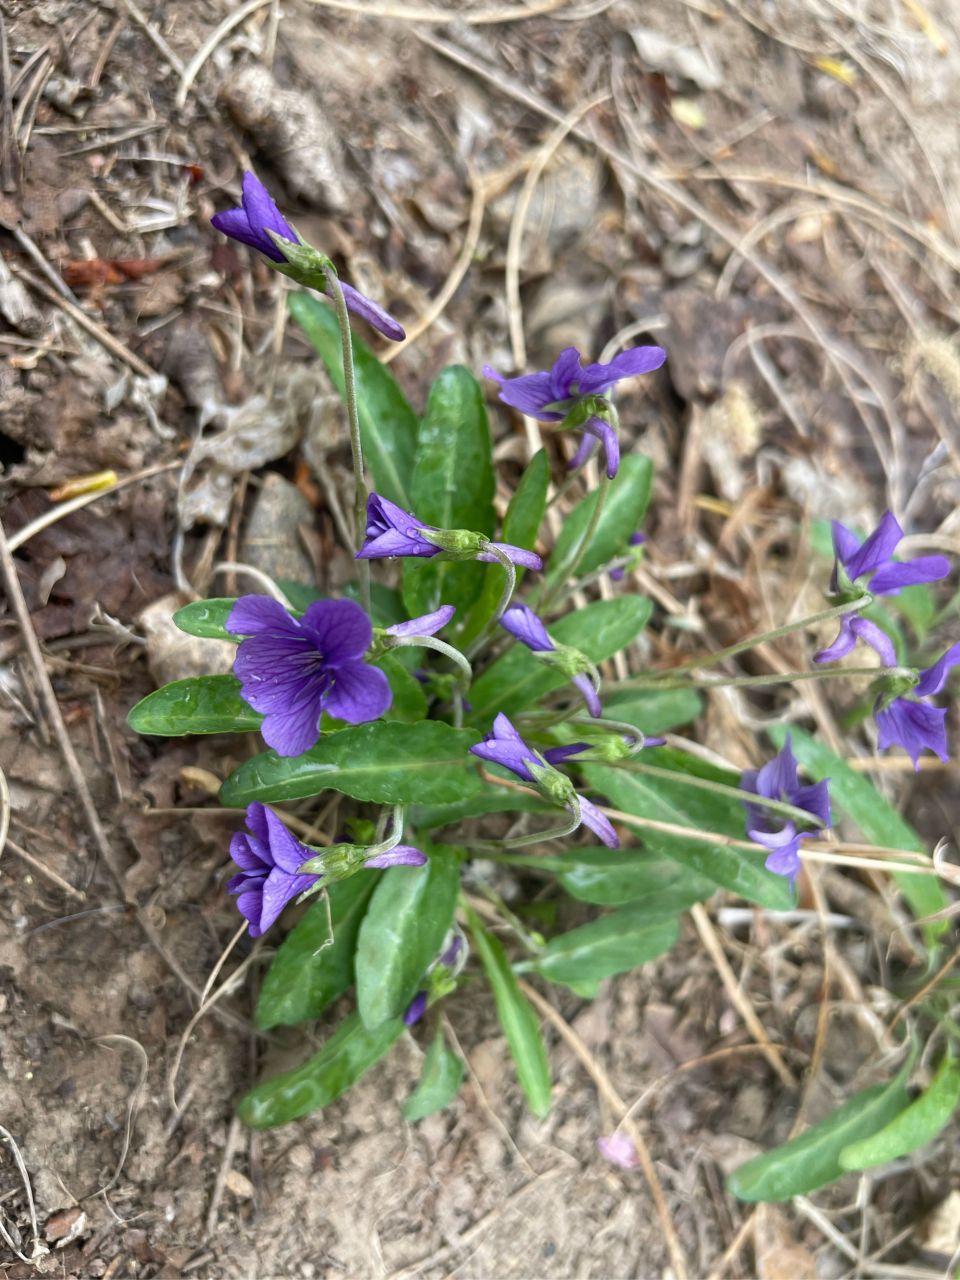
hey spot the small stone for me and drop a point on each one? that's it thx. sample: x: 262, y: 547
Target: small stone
x: 240, y: 1185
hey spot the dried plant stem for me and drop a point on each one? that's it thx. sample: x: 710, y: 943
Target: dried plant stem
x: 350, y: 396
x: 4, y: 810
x: 748, y: 682
x: 43, y: 870
x: 515, y: 239
x: 462, y: 265
x: 747, y: 1228
x: 192, y: 69
x: 619, y: 1107
x: 133, y: 1105
x: 52, y: 711
x: 738, y: 998
x: 229, y: 1151
x: 480, y: 1095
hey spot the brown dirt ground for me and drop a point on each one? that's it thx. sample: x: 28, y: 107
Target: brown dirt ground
x: 480, y: 1189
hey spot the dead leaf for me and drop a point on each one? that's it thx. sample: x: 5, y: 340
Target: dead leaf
x: 240, y: 1185
x: 778, y: 1256
x: 171, y: 653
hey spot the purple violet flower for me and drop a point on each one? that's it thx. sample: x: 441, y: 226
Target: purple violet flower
x: 618, y: 1148
x: 257, y: 215
x: 523, y: 623
x: 504, y: 746
x: 293, y: 669
x: 549, y: 397
x: 426, y: 625
x: 913, y: 725
x: 636, y: 540
x: 401, y: 855
x: 889, y: 577
x: 391, y: 532
x: 778, y: 780
x: 268, y: 857
x: 416, y: 1008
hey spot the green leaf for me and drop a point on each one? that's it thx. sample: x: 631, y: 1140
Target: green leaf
x: 206, y: 618
x: 409, y: 700
x: 490, y: 799
x: 388, y: 426
x: 517, y: 680
x: 654, y: 711
x: 521, y: 525
x: 383, y: 761
x: 918, y: 606
x: 622, y: 513
x: 612, y: 944
x: 912, y: 1128
x: 440, y: 1081
x: 596, y: 875
x: 453, y: 487
x: 518, y: 1019
x: 301, y: 596
x: 877, y: 819
x: 403, y: 930
x: 739, y: 870
x: 386, y: 605
x: 812, y: 1160
x: 349, y: 1052
x: 199, y: 704
x: 309, y: 970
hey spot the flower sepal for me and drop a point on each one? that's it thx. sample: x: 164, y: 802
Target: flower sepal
x: 889, y: 687
x: 455, y: 544
x: 608, y: 749
x: 339, y: 862
x: 568, y: 661
x: 303, y: 263
x: 551, y: 784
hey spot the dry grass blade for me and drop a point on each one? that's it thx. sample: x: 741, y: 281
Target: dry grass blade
x: 406, y: 13
x: 43, y: 870
x: 518, y: 222
x: 452, y: 283
x: 4, y: 810
x: 83, y: 500
x: 192, y: 69
x: 619, y: 1107
x: 51, y: 708
x: 154, y: 35
x: 738, y: 998
x: 133, y: 1105
x: 39, y: 1248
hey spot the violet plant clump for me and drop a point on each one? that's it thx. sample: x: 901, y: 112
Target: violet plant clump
x: 405, y: 713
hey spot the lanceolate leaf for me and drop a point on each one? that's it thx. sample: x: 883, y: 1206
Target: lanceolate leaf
x: 623, y: 511
x: 614, y: 943
x: 594, y: 876
x: 403, y: 930
x: 912, y: 1128
x: 519, y: 1022
x: 206, y: 618
x: 654, y: 711
x: 517, y: 680
x: 349, y: 1052
x: 813, y: 1159
x: 310, y: 969
x: 386, y: 762
x: 857, y: 797
x: 440, y: 1082
x: 453, y: 487
x: 739, y: 870
x: 388, y: 426
x: 199, y: 704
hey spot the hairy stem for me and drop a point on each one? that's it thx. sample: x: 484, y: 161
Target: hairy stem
x: 350, y: 394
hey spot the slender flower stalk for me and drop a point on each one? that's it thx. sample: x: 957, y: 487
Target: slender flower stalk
x: 569, y: 569
x: 506, y: 595
x: 350, y: 395
x: 757, y: 682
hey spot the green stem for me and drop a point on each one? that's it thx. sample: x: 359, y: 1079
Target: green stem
x: 776, y: 634
x: 350, y: 395
x: 517, y: 842
x: 720, y: 788
x: 567, y: 571
x: 441, y: 646
x: 730, y: 682
x: 505, y: 597
x: 509, y: 918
